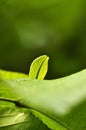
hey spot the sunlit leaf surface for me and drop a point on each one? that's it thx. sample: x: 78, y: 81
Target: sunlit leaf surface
x: 39, y: 67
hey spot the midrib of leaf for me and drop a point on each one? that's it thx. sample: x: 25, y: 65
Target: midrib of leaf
x: 37, y: 76
x: 50, y: 122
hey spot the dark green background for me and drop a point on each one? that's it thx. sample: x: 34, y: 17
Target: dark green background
x: 30, y: 28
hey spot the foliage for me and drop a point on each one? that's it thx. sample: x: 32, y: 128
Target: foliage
x: 28, y: 103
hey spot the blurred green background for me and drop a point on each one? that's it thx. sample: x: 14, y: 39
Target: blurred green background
x: 30, y: 28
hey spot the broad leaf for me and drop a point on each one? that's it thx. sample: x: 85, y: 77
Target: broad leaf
x: 62, y: 100
x: 13, y: 116
x: 39, y: 67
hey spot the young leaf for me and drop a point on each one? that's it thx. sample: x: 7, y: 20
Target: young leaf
x: 39, y: 67
x: 62, y: 100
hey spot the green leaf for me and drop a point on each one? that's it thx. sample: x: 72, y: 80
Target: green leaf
x: 13, y: 116
x: 52, y: 124
x: 10, y: 117
x: 38, y: 70
x: 11, y: 75
x: 10, y: 114
x: 62, y: 100
x: 39, y: 67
